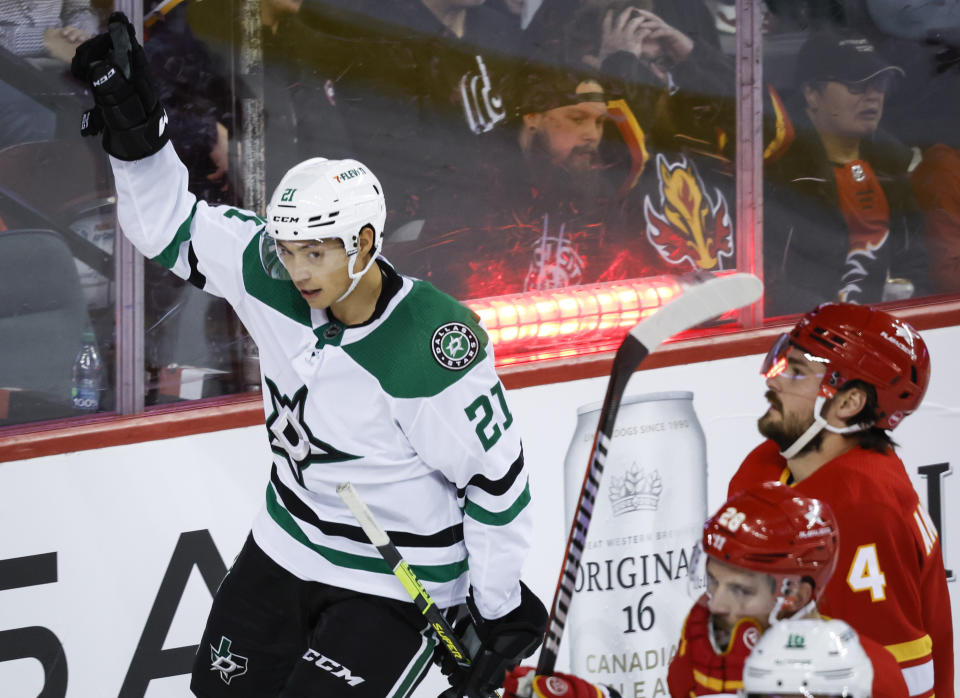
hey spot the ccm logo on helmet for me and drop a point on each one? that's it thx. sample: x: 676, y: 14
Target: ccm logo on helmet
x: 349, y: 174
x: 286, y: 219
x: 333, y: 667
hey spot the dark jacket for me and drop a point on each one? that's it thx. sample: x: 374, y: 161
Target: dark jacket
x: 806, y: 238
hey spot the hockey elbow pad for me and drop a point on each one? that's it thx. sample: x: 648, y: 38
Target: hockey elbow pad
x: 127, y: 110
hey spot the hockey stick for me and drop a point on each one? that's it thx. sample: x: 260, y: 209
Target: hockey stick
x: 697, y: 304
x: 401, y: 569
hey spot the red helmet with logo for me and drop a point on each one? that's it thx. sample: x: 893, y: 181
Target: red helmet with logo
x: 860, y: 342
x: 772, y: 529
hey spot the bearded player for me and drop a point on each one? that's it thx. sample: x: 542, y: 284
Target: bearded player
x: 838, y: 383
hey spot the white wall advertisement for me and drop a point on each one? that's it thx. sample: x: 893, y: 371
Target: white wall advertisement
x: 108, y: 558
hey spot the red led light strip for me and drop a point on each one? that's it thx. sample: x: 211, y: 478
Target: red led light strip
x: 570, y: 321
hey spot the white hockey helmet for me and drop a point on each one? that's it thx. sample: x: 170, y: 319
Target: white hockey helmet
x: 320, y: 199
x: 809, y: 658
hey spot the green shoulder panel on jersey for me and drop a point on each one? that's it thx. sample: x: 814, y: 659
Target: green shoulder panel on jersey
x: 279, y: 295
x: 168, y: 257
x: 426, y: 344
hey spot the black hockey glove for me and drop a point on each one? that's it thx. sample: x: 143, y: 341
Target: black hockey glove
x: 503, y: 644
x: 127, y: 110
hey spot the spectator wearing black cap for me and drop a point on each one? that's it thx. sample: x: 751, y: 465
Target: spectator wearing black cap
x: 561, y: 200
x: 840, y: 221
x: 542, y: 214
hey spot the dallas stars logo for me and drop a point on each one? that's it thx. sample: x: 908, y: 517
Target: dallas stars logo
x: 229, y: 665
x: 454, y: 346
x: 291, y: 438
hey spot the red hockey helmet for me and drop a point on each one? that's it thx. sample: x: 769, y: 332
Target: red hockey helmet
x: 772, y: 529
x: 860, y: 342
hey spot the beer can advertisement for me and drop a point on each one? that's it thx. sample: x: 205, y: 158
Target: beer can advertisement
x: 632, y: 593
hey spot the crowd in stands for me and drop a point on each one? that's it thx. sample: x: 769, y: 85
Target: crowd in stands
x: 527, y: 145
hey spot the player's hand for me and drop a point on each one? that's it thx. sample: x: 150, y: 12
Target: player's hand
x: 501, y: 645
x: 127, y: 110
x: 524, y: 682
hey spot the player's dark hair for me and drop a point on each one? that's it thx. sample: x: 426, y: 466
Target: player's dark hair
x: 873, y: 438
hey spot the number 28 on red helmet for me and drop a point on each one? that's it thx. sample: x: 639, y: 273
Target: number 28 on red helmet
x: 769, y: 528
x: 860, y: 342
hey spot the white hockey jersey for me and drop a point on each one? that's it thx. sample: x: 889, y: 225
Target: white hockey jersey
x: 407, y: 406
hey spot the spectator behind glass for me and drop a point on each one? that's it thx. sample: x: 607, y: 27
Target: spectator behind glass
x: 433, y: 66
x: 925, y: 38
x: 301, y: 116
x: 44, y: 33
x: 46, y: 28
x: 553, y: 209
x: 195, y: 93
x: 542, y: 215
x: 669, y: 65
x: 840, y: 221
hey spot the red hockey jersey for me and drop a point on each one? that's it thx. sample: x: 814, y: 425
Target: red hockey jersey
x: 697, y: 669
x: 890, y: 584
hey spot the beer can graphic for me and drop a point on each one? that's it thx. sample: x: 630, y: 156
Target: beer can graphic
x: 631, y: 593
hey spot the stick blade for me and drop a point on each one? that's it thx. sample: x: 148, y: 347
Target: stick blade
x: 696, y: 305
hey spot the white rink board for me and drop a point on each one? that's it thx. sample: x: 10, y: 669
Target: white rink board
x: 113, y: 517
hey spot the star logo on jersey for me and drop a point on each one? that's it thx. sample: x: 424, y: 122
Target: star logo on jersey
x: 290, y: 436
x: 455, y: 346
x: 229, y: 665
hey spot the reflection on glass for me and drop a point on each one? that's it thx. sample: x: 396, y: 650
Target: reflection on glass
x: 56, y: 224
x: 859, y: 200
x: 524, y: 147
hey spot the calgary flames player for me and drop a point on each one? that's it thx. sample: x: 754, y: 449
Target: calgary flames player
x: 837, y: 383
x: 768, y: 555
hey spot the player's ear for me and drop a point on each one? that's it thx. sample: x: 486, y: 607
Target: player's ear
x: 365, y: 242
x: 850, y: 402
x: 804, y: 593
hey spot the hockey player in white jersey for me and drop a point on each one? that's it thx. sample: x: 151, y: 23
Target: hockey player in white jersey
x: 368, y: 376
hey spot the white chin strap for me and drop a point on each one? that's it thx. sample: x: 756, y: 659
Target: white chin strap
x: 819, y: 424
x: 356, y: 276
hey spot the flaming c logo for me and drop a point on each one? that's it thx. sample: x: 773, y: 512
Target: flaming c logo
x: 688, y: 227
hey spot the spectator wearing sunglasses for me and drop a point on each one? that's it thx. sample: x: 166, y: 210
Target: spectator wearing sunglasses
x: 840, y: 221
